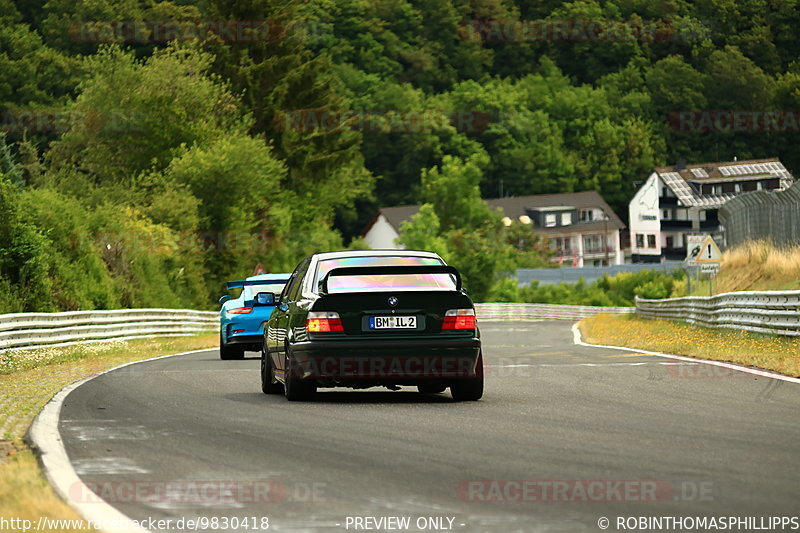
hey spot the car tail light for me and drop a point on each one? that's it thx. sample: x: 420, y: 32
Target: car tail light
x: 324, y: 322
x: 459, y: 319
x: 240, y: 310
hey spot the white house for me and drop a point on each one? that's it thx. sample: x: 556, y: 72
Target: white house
x: 683, y: 200
x: 581, y: 227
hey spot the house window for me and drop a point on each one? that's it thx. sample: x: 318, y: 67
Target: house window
x: 651, y: 241
x: 717, y: 189
x: 592, y: 243
x: 587, y: 215
x: 550, y: 220
x: 639, y: 240
x: 666, y: 215
x: 670, y: 242
x: 566, y: 219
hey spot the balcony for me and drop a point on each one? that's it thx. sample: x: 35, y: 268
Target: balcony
x: 676, y: 224
x: 599, y: 250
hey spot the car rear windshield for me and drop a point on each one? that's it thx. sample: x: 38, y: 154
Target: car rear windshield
x: 384, y: 282
x: 272, y: 287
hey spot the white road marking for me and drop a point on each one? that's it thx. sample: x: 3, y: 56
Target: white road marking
x: 107, y: 466
x: 86, y: 433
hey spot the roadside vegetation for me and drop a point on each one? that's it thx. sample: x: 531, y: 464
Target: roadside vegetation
x: 753, y: 266
x: 27, y: 382
x: 620, y: 290
x: 769, y: 352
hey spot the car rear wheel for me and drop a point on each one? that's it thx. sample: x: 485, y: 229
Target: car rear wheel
x: 296, y: 389
x: 268, y: 383
x: 469, y: 389
x: 227, y: 352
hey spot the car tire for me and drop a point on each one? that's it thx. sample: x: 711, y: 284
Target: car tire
x: 228, y: 353
x: 268, y: 383
x: 469, y: 389
x: 431, y: 388
x: 296, y: 389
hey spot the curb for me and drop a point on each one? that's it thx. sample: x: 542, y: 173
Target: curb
x: 45, y: 439
x: 576, y: 339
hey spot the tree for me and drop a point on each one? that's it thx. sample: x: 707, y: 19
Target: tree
x: 170, y: 100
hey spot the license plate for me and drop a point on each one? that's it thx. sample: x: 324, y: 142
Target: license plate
x: 392, y: 322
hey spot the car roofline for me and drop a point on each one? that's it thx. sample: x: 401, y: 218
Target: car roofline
x: 286, y: 275
x: 372, y: 253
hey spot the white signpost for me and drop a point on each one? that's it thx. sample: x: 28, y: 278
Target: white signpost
x: 702, y: 251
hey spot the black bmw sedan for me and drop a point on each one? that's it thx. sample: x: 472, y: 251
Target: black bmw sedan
x: 372, y: 318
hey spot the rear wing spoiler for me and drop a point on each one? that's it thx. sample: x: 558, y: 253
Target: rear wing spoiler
x: 250, y: 282
x: 389, y: 270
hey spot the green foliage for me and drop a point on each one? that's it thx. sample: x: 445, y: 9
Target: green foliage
x: 169, y: 101
x: 23, y: 258
x: 620, y: 290
x: 186, y: 163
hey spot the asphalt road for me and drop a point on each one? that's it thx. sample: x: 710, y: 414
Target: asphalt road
x: 564, y: 435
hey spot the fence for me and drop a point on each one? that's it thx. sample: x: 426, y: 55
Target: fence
x: 501, y: 311
x: 551, y: 276
x: 36, y: 330
x: 776, y: 312
x: 763, y: 215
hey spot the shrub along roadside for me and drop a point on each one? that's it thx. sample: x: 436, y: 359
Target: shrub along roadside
x: 620, y: 290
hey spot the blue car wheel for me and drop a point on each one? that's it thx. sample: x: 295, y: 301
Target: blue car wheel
x: 227, y: 352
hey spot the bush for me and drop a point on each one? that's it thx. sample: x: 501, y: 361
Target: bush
x: 620, y: 290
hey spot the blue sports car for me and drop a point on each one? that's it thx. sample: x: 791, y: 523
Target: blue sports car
x: 242, y: 319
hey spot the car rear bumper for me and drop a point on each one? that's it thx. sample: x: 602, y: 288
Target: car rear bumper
x: 253, y: 342
x: 382, y: 361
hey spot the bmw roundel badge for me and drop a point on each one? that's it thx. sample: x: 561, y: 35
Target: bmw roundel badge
x: 392, y: 301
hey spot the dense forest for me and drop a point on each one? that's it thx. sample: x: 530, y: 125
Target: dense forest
x: 151, y: 150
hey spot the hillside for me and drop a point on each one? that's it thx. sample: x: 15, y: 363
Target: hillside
x: 150, y: 151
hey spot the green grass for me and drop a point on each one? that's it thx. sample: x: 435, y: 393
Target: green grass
x: 769, y: 352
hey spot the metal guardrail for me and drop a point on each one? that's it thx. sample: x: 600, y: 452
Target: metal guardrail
x: 775, y: 312
x: 517, y: 311
x: 37, y: 330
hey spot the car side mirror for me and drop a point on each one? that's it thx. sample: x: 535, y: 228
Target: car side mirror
x: 265, y: 298
x: 224, y: 298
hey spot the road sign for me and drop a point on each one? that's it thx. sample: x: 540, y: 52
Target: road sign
x: 694, y: 244
x: 259, y: 270
x: 701, y: 249
x: 709, y: 252
x: 709, y: 268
